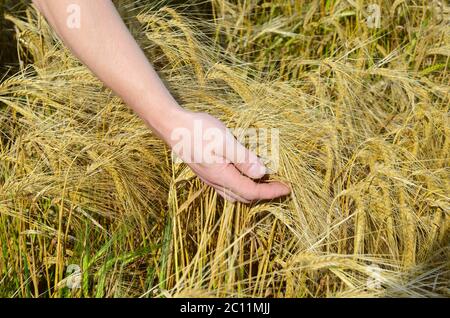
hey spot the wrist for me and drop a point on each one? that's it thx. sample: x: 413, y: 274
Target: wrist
x: 163, y: 120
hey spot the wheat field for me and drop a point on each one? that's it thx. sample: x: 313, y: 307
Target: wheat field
x: 363, y: 116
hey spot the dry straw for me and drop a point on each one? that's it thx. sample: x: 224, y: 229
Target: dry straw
x: 363, y: 118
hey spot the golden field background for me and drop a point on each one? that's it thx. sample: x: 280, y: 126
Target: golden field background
x: 364, y: 144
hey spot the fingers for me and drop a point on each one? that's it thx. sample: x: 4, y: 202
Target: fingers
x: 233, y: 186
x: 225, y: 193
x: 248, y: 189
x: 226, y: 196
x: 244, y: 159
x: 230, y: 196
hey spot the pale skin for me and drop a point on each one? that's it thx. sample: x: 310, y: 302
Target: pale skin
x: 104, y: 44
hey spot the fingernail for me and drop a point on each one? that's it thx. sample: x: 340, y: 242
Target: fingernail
x: 258, y: 170
x: 288, y: 188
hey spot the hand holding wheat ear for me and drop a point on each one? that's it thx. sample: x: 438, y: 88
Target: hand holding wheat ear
x: 220, y: 160
x: 98, y: 37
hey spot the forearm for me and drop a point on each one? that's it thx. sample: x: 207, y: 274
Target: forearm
x: 103, y: 43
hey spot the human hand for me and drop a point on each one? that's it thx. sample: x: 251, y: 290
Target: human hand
x: 218, y: 159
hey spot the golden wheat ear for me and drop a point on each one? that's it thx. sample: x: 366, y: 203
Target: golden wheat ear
x: 362, y: 115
